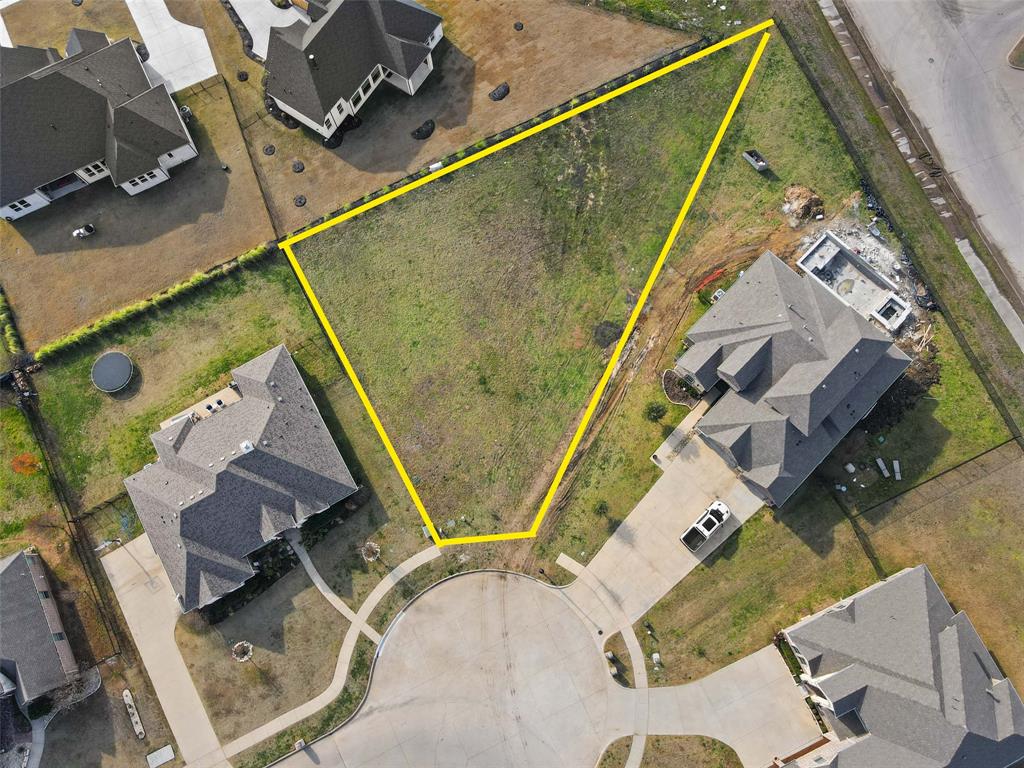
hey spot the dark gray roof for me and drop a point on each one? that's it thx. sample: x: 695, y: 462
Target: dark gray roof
x: 226, y: 484
x: 347, y: 42
x: 803, y: 368
x: 96, y: 103
x: 919, y: 678
x: 28, y: 654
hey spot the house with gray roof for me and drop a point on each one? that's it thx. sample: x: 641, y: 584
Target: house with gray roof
x: 67, y: 122
x: 905, y: 681
x: 35, y: 656
x: 798, y: 368
x: 322, y: 72
x: 234, y: 472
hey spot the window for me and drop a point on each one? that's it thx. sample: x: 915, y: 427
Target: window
x: 133, y: 182
x: 58, y: 636
x: 328, y: 122
x: 20, y: 205
x: 357, y: 99
x: 170, y: 154
x: 44, y: 595
x: 376, y: 75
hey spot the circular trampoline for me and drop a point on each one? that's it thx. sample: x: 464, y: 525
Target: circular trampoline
x: 112, y: 371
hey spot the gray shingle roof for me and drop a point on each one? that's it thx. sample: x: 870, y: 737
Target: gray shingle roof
x: 28, y: 653
x: 347, y: 42
x: 803, y: 368
x: 917, y: 675
x: 225, y: 485
x: 96, y: 103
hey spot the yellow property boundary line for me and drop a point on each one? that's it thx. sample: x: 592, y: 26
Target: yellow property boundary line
x: 286, y: 246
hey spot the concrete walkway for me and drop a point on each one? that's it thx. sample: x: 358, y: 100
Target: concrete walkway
x: 644, y: 559
x: 294, y: 538
x: 151, y: 610
x: 259, y: 16
x: 348, y: 646
x: 178, y: 53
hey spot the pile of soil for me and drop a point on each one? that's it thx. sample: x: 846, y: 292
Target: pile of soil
x: 606, y: 333
x: 802, y: 204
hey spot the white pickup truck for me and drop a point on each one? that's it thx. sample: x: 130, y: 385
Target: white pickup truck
x: 713, y: 518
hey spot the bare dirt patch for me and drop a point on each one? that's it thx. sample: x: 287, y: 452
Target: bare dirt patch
x: 201, y: 217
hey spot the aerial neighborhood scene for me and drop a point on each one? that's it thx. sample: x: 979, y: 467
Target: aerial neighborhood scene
x: 506, y: 384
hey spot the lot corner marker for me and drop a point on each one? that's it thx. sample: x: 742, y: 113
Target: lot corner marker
x: 286, y: 246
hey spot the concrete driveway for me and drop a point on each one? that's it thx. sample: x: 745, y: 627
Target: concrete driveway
x: 644, y: 558
x: 753, y: 705
x: 948, y: 59
x: 178, y: 53
x: 150, y: 609
x: 259, y: 16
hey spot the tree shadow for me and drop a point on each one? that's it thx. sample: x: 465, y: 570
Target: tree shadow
x: 383, y: 143
x: 196, y: 187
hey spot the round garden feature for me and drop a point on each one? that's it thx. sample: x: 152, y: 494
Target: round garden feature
x: 112, y: 371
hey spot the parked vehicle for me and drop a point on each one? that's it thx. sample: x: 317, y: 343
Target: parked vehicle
x: 697, y: 534
x: 84, y: 231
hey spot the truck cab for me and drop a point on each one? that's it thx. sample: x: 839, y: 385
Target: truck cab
x: 713, y: 518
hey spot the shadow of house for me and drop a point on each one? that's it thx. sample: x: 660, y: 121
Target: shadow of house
x: 195, y: 189
x: 384, y: 142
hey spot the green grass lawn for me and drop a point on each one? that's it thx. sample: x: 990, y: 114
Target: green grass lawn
x: 24, y: 487
x: 182, y: 353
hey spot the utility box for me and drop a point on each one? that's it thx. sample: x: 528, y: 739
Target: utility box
x: 754, y: 157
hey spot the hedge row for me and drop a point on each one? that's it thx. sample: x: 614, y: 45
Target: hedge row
x: 11, y: 339
x: 165, y: 297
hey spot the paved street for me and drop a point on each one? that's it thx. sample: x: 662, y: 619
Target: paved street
x: 151, y: 610
x: 948, y: 60
x: 644, y: 558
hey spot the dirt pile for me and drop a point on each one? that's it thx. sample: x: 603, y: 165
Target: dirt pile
x: 802, y: 204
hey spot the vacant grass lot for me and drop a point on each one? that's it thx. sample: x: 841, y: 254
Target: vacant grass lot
x: 473, y: 325
x: 24, y: 487
x: 296, y: 636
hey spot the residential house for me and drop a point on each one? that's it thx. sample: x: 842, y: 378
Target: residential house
x: 35, y: 656
x: 68, y: 122
x: 798, y: 368
x: 322, y: 72
x: 234, y: 472
x: 905, y: 681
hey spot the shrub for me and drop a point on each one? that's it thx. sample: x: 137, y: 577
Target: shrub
x: 11, y: 339
x: 601, y: 508
x: 655, y: 411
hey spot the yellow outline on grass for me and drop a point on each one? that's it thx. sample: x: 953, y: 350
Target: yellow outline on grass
x: 286, y: 246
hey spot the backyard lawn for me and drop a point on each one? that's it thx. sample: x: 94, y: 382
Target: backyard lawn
x: 181, y: 353
x: 296, y: 637
x: 673, y: 752
x: 24, y: 487
x: 476, y: 326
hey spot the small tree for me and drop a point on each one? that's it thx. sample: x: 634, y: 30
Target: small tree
x: 655, y: 411
x: 601, y: 508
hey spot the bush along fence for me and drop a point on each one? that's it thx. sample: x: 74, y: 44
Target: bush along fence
x: 12, y: 341
x: 165, y: 297
x: 493, y: 139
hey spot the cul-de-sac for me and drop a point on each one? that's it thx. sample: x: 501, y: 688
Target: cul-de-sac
x: 511, y: 383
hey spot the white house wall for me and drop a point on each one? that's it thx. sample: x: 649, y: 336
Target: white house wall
x: 160, y: 176
x: 35, y: 200
x: 177, y: 156
x: 301, y: 117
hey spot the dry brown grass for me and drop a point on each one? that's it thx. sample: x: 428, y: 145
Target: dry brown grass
x: 482, y: 50
x: 201, y: 217
x: 296, y: 636
x: 97, y: 733
x: 673, y: 752
x: 47, y: 23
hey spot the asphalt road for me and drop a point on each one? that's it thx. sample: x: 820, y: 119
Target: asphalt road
x: 948, y: 60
